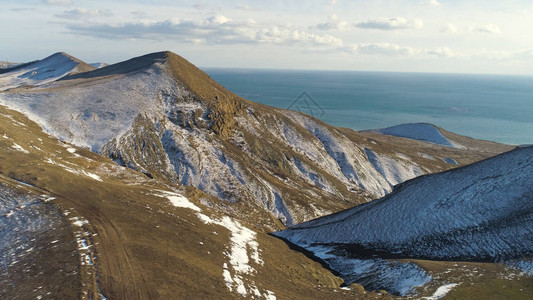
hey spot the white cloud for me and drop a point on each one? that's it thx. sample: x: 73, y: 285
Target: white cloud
x: 333, y: 23
x: 521, y: 56
x: 526, y: 55
x: 139, y: 14
x: 491, y: 28
x: 246, y: 8
x: 391, y: 24
x: 58, y: 2
x: 432, y: 3
x: 387, y: 49
x: 217, y: 29
x: 450, y: 28
x: 83, y: 13
x: 201, y: 6
x: 218, y: 20
x: 441, y: 52
x: 22, y: 9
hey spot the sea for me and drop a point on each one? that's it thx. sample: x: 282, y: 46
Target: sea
x: 489, y: 107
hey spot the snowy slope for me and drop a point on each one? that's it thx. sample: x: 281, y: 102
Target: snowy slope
x: 420, y: 131
x: 41, y: 72
x: 481, y: 212
x: 99, y: 65
x: 88, y: 118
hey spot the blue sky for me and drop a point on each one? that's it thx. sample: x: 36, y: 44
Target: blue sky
x: 382, y: 35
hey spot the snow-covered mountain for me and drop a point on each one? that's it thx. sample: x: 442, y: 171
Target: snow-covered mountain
x: 422, y: 132
x: 161, y: 115
x: 480, y: 212
x: 42, y: 71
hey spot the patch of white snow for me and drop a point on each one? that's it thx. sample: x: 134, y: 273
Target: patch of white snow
x: 177, y: 200
x: 19, y: 148
x: 441, y: 291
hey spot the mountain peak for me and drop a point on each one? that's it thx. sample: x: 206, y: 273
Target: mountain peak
x: 49, y: 69
x: 182, y: 70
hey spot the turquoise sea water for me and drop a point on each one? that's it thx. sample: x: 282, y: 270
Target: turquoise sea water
x: 490, y: 107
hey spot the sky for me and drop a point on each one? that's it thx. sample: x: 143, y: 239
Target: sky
x: 443, y: 36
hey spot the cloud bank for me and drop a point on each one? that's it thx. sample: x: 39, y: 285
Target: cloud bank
x: 391, y: 24
x: 213, y: 30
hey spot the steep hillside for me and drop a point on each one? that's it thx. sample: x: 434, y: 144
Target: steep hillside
x: 160, y: 114
x: 42, y: 71
x: 482, y: 212
x: 74, y: 225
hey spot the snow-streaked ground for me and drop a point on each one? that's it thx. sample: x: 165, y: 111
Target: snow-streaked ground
x: 420, y: 131
x: 481, y: 212
x: 441, y: 291
x: 74, y: 169
x: 356, y: 166
x: 244, y: 248
x: 26, y: 222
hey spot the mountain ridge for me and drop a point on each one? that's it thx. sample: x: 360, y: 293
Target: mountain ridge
x: 161, y: 115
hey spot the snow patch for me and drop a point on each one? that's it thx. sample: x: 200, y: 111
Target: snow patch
x: 177, y: 200
x: 19, y: 148
x: 74, y: 171
x: 525, y: 266
x: 92, y: 175
x: 78, y: 222
x: 244, y: 247
x: 450, y: 161
x: 393, y: 170
x: 441, y: 291
x: 427, y: 156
